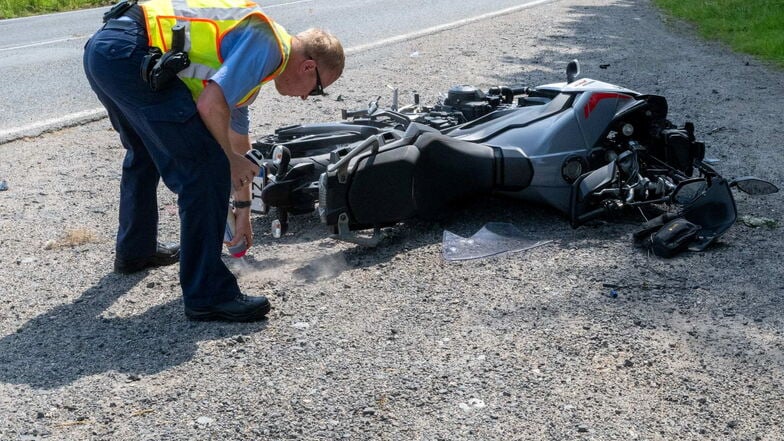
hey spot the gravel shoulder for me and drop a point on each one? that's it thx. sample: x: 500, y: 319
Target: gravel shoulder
x: 393, y: 342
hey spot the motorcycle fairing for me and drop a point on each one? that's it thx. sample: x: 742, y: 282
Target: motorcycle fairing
x: 570, y: 125
x: 595, y: 110
x: 496, y: 125
x: 587, y: 85
x: 415, y: 184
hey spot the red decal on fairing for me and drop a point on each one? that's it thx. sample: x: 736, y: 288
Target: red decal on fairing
x: 593, y: 101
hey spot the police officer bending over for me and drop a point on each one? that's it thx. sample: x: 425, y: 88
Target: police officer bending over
x: 176, y: 77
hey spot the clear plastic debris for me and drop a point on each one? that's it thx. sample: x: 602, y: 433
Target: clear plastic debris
x: 493, y: 239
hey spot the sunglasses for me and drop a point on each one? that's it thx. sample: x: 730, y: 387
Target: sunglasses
x: 319, y: 89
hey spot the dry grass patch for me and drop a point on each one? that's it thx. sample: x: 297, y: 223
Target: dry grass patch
x: 72, y: 238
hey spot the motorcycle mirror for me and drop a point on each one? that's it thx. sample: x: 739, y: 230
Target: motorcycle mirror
x: 688, y: 191
x: 754, y: 186
x: 373, y: 106
x: 255, y: 157
x: 572, y: 71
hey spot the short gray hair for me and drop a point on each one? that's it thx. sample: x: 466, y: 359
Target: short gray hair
x: 325, y: 48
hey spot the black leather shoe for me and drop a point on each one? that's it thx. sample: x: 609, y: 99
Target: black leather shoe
x: 166, y: 254
x: 241, y: 309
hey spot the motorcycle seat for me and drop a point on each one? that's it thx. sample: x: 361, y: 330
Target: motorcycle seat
x: 426, y: 173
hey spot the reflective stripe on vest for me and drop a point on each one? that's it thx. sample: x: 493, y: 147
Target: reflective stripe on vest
x: 206, y: 23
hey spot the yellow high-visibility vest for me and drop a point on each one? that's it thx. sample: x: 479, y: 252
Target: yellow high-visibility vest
x: 206, y: 23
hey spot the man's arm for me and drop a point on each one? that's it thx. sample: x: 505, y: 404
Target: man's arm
x: 240, y: 144
x: 215, y: 113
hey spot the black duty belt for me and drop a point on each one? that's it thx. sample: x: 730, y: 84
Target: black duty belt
x: 136, y: 19
x: 125, y: 8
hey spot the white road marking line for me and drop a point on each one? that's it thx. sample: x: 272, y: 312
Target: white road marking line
x: 443, y: 27
x: 43, y: 43
x: 285, y: 4
x: 40, y: 127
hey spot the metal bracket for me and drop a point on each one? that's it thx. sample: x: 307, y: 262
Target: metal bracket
x: 346, y: 235
x: 342, y: 165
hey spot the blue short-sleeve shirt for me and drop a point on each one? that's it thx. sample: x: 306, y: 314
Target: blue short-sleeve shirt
x: 250, y: 53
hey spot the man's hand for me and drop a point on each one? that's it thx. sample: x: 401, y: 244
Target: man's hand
x: 242, y: 171
x: 242, y: 228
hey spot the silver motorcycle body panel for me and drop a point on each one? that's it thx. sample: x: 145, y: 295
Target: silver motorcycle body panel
x: 569, y: 126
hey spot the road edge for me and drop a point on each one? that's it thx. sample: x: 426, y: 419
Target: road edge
x: 51, y: 125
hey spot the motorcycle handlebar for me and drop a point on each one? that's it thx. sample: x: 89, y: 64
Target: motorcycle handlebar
x: 508, y: 92
x: 519, y: 90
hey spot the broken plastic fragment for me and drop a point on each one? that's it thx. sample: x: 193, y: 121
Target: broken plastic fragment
x: 472, y: 404
x: 3, y: 185
x: 204, y: 421
x: 494, y: 238
x: 754, y: 222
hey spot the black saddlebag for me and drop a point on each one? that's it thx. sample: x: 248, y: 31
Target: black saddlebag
x: 669, y: 239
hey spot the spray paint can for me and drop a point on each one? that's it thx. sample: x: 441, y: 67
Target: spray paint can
x: 241, y: 247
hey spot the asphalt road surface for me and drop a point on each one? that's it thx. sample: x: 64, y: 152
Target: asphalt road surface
x: 43, y: 83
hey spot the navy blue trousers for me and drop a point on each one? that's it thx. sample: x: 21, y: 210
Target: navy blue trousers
x: 164, y: 138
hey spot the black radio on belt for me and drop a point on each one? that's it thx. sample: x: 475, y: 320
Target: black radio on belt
x: 118, y: 10
x: 159, y: 69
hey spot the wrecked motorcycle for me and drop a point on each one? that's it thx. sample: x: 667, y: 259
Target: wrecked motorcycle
x: 584, y: 147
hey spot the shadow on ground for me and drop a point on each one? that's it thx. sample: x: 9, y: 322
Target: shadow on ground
x: 74, y: 340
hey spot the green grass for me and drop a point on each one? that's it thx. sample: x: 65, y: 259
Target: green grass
x: 754, y: 27
x: 21, y: 8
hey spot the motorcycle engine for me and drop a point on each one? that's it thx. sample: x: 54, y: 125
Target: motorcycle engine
x: 468, y: 100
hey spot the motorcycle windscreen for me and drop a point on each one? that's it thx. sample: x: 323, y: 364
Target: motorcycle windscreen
x: 494, y: 238
x: 714, y: 212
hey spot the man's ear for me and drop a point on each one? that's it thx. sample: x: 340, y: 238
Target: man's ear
x: 308, y: 65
